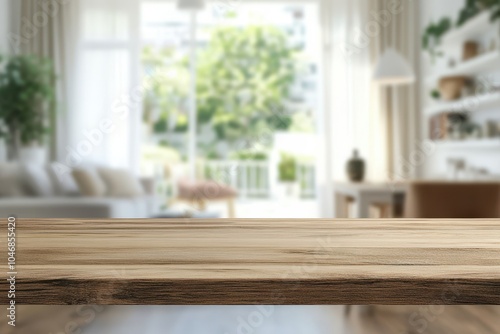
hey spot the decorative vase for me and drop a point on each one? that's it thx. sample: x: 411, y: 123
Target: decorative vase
x: 470, y: 50
x: 451, y: 88
x: 356, y: 168
x: 288, y: 190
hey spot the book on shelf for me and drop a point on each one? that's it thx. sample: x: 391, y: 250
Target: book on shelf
x: 439, y: 126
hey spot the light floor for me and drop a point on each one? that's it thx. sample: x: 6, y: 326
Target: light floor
x: 253, y: 208
x: 255, y: 320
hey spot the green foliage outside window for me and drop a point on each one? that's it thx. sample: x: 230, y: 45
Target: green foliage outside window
x: 243, y: 82
x: 287, y: 168
x: 250, y: 155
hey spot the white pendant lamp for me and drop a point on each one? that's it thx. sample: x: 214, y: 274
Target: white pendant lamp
x: 393, y: 69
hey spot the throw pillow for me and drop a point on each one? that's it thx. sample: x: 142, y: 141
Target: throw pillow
x: 89, y: 182
x: 38, y: 180
x: 63, y: 180
x: 121, y: 183
x: 11, y: 181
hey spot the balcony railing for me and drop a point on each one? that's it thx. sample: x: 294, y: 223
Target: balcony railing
x: 258, y: 179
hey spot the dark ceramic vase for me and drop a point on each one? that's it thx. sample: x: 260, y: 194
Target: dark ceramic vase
x: 356, y: 168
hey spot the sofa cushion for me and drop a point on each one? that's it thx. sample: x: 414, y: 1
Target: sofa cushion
x: 11, y: 181
x: 74, y: 207
x: 64, y: 183
x: 89, y: 183
x: 38, y: 180
x: 121, y: 183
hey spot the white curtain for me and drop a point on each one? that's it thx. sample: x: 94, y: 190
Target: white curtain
x: 94, y: 47
x: 45, y: 29
x: 105, y: 121
x: 380, y: 122
x: 400, y: 106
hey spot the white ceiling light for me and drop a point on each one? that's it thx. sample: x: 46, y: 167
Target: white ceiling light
x: 191, y: 4
x: 393, y: 69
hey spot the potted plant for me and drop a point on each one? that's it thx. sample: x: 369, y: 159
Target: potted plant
x: 3, y: 145
x: 435, y: 94
x: 289, y: 187
x: 26, y: 103
x: 495, y: 11
x: 470, y: 10
x: 474, y: 7
x: 432, y: 37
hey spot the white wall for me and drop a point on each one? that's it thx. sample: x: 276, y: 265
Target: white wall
x: 432, y: 10
x: 4, y: 25
x: 436, y: 161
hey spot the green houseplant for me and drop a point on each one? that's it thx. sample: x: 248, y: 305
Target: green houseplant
x: 287, y: 168
x: 474, y: 7
x: 495, y: 10
x: 432, y: 37
x: 26, y: 99
x: 3, y: 146
x: 287, y: 175
x: 470, y: 10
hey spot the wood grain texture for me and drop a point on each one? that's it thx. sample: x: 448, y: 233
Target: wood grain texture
x: 205, y: 262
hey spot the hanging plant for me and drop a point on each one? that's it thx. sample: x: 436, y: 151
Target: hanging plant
x: 470, y: 10
x: 495, y: 10
x: 474, y: 7
x: 432, y: 37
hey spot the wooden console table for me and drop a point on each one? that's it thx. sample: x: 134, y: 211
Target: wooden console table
x: 205, y: 262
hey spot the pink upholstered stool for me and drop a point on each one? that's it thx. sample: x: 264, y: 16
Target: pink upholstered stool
x: 198, y: 193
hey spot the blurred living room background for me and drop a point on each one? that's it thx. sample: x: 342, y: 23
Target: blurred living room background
x: 157, y: 108
x: 252, y: 109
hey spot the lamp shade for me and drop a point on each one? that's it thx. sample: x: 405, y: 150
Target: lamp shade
x: 191, y: 4
x: 393, y: 69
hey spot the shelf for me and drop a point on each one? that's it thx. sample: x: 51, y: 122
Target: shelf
x: 471, y: 30
x: 487, y: 62
x: 470, y: 143
x: 473, y: 104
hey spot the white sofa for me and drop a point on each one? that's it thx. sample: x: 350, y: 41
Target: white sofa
x: 78, y: 207
x: 27, y: 205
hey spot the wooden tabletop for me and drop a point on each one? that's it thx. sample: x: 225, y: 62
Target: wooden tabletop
x: 204, y: 262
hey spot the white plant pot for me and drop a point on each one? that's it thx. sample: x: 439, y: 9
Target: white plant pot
x: 33, y: 155
x: 3, y: 151
x: 288, y: 190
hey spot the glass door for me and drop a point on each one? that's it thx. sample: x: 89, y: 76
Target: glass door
x: 246, y: 75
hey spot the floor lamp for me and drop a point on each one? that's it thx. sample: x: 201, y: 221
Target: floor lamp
x: 392, y: 69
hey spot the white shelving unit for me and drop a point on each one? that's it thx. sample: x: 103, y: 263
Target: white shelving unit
x: 470, y: 144
x: 489, y: 62
x: 473, y: 104
x: 481, y: 64
x: 470, y: 30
